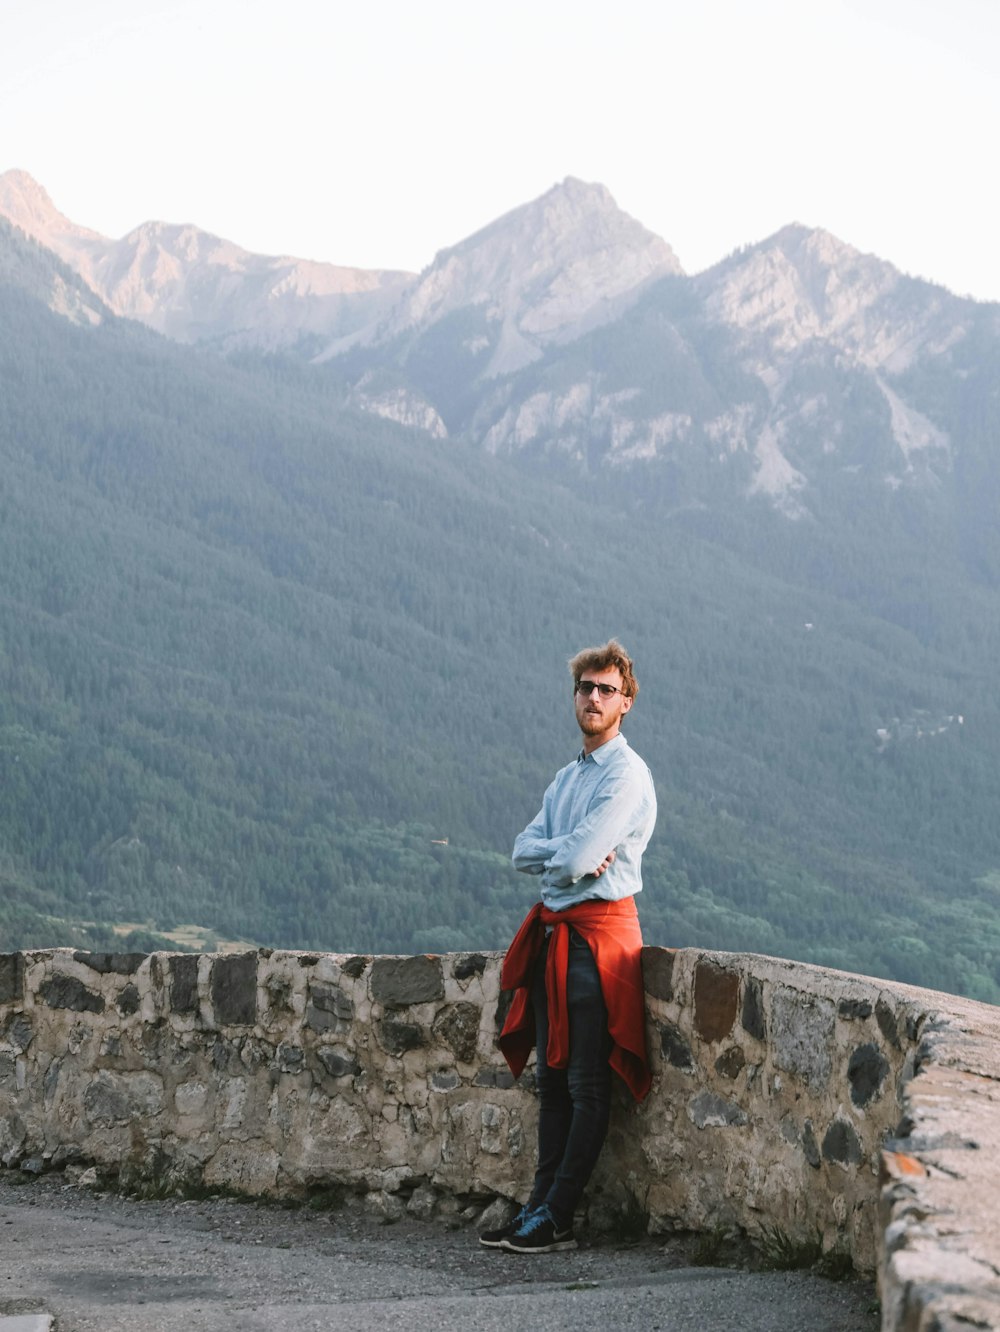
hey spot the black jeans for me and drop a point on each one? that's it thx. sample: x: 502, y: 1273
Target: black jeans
x: 574, y: 1102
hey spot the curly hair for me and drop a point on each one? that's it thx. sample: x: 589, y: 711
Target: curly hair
x: 606, y: 658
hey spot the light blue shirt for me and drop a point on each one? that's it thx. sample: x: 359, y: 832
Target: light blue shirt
x: 601, y: 802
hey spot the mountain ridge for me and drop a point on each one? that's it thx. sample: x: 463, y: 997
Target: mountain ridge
x: 193, y: 286
x: 547, y: 271
x: 565, y: 332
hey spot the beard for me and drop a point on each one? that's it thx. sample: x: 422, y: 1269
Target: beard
x: 596, y: 723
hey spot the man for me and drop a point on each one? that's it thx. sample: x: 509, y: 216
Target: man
x: 575, y: 962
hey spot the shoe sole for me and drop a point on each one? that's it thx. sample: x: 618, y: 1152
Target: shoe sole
x: 555, y: 1247
x: 491, y: 1243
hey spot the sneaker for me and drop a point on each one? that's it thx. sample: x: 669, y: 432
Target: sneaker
x: 539, y: 1234
x: 492, y: 1239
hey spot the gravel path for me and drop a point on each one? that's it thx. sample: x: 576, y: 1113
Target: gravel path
x: 101, y: 1263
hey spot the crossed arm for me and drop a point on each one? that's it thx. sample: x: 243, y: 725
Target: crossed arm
x: 589, y: 848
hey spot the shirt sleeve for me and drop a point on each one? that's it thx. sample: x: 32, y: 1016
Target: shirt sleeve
x: 532, y: 849
x: 614, y: 812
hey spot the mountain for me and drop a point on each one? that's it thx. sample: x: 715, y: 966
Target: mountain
x: 540, y: 277
x: 566, y: 332
x: 262, y: 653
x: 778, y: 373
x: 544, y: 273
x: 798, y: 372
x: 195, y: 287
x: 829, y: 331
x: 57, y: 286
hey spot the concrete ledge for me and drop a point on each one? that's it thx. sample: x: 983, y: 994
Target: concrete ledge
x: 939, y: 1207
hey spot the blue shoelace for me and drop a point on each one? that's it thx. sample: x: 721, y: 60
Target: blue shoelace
x: 537, y: 1218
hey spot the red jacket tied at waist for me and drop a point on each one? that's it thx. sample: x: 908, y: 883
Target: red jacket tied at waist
x: 611, y: 930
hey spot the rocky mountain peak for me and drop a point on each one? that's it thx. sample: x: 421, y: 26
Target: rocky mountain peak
x: 194, y: 286
x: 545, y: 272
x: 28, y: 205
x: 803, y: 284
x: 569, y: 215
x: 22, y: 196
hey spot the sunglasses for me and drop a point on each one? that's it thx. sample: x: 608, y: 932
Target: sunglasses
x: 587, y: 687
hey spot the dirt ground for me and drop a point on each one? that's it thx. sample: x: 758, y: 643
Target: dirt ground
x: 98, y: 1262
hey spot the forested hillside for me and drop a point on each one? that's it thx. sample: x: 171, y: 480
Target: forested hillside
x: 298, y: 675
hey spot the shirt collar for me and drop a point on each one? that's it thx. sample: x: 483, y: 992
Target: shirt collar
x: 603, y: 752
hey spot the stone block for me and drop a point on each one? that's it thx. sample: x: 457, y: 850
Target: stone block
x: 61, y: 991
x: 120, y: 964
x: 233, y: 1093
x: 183, y: 969
x: 50, y: 1083
x: 387, y: 1208
x: 752, y: 1017
x: 707, y: 1110
x: 810, y: 1147
x: 11, y: 978
x: 731, y: 1063
x: 279, y: 995
x: 247, y: 1167
x: 17, y: 1032
x: 329, y: 1009
x: 66, y: 1156
x: 255, y: 1054
x: 457, y: 1026
x: 113, y: 1098
x: 716, y: 998
x: 658, y: 972
x: 886, y: 1019
x: 191, y: 1098
x: 471, y: 964
x: 500, y: 1212
x: 128, y: 1001
x: 422, y: 1204
x: 802, y: 1035
x: 355, y: 967
x: 233, y: 988
x: 494, y: 1077
x: 225, y: 1057
x: 867, y: 1071
x: 842, y: 1144
x: 337, y: 1064
x: 290, y: 1059
x: 675, y: 1048
x: 854, y: 1010
x: 398, y: 982
x: 397, y: 1037
x: 503, y: 1008
x: 492, y: 1125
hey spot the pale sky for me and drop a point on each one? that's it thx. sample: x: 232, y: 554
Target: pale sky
x: 376, y: 132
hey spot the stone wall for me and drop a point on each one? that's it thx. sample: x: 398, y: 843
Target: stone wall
x: 780, y: 1091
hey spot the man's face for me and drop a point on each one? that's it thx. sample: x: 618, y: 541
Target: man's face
x: 600, y: 717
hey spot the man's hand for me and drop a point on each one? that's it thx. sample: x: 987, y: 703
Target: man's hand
x: 604, y: 864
